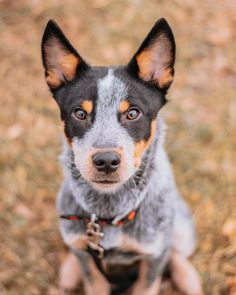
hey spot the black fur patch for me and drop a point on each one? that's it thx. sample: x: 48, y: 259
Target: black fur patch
x: 148, y: 99
x: 72, y: 95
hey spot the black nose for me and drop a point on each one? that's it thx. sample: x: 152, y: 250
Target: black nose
x: 106, y: 162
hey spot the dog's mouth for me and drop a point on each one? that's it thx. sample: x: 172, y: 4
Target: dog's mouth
x: 105, y: 181
x: 107, y: 185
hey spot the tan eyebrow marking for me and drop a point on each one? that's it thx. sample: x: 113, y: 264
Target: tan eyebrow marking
x: 87, y: 105
x: 124, y: 105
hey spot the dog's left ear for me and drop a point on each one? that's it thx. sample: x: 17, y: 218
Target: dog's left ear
x: 154, y: 60
x: 61, y: 61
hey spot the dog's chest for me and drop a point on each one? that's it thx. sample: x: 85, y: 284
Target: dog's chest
x: 132, y: 240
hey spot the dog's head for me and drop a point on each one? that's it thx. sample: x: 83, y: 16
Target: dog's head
x: 109, y: 114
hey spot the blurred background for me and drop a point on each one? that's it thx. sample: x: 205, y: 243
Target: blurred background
x: 201, y: 116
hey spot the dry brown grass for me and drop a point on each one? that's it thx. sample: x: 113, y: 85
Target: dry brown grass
x: 201, y: 139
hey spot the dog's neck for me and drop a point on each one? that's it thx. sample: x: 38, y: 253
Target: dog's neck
x: 127, y: 198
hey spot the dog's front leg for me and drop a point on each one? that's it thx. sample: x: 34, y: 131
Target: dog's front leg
x: 79, y: 267
x: 93, y: 280
x: 70, y: 275
x: 185, y: 275
x: 149, y: 278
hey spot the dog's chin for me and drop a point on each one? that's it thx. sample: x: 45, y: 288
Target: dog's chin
x: 103, y: 183
x: 106, y: 186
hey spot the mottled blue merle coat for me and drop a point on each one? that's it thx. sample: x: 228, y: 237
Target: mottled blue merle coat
x: 114, y: 162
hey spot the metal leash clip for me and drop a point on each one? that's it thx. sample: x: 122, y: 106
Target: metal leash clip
x: 94, y: 235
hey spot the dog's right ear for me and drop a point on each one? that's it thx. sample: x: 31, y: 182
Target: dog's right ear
x: 155, y: 58
x: 61, y: 61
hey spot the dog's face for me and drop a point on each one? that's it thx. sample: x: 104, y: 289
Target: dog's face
x: 109, y: 114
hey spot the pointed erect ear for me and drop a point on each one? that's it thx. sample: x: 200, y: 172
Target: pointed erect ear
x: 154, y: 60
x: 61, y: 61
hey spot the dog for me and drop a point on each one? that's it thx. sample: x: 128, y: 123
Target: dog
x: 122, y: 216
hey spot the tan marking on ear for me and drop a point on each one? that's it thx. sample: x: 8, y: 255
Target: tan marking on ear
x: 142, y: 145
x: 52, y: 79
x: 154, y: 61
x: 166, y: 79
x: 143, y: 61
x: 60, y: 63
x: 87, y: 105
x: 124, y: 105
x: 69, y: 63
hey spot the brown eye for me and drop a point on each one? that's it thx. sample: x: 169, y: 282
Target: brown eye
x: 133, y: 114
x: 80, y: 114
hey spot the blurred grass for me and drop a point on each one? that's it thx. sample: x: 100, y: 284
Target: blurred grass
x: 201, y: 116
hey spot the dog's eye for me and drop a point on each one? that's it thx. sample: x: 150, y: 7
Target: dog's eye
x: 133, y: 113
x: 80, y: 114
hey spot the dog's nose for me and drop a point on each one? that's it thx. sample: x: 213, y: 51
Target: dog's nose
x: 106, y: 162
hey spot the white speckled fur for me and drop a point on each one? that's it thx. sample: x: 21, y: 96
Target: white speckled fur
x: 160, y: 196
x: 161, y: 209
x: 106, y: 130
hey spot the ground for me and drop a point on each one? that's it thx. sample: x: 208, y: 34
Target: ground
x: 200, y: 114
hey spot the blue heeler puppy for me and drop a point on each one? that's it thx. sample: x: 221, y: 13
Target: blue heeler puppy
x: 121, y: 214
